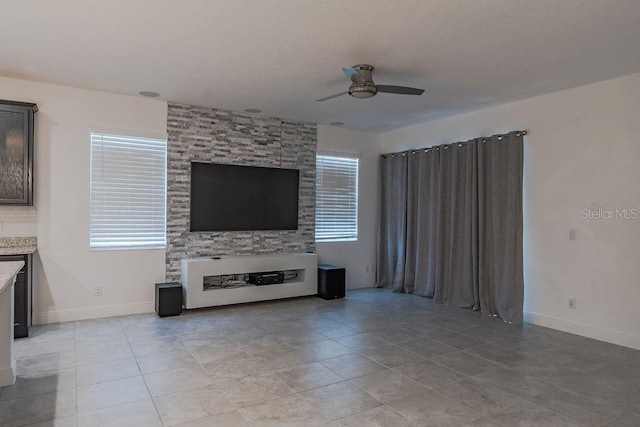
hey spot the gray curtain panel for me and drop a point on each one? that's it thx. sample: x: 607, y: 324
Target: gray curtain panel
x: 451, y: 224
x: 392, y: 231
x: 500, y: 273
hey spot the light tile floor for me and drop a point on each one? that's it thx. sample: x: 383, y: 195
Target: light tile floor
x: 372, y: 359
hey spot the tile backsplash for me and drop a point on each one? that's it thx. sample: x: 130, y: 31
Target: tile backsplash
x: 17, y: 221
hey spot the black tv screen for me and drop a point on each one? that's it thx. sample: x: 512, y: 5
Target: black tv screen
x: 243, y: 198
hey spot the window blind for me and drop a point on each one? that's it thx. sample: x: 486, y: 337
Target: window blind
x: 336, y: 198
x: 128, y: 192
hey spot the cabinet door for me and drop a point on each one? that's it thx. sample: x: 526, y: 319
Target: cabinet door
x: 16, y: 154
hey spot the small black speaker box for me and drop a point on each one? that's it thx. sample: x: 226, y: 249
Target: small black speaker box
x: 331, y: 281
x: 168, y: 299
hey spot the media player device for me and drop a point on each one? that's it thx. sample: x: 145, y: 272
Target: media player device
x: 266, y: 278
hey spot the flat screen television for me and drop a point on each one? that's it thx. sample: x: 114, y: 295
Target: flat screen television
x: 243, y: 198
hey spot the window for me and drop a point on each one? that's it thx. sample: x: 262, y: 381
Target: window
x: 128, y: 192
x: 336, y: 198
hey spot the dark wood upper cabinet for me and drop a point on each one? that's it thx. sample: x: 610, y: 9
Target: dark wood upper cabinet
x: 16, y: 152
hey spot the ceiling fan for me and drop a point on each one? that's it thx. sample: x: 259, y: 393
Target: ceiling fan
x: 362, y: 85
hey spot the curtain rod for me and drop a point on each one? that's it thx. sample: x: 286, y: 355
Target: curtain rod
x: 459, y: 144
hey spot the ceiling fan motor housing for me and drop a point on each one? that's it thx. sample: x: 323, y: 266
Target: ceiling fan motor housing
x: 366, y: 89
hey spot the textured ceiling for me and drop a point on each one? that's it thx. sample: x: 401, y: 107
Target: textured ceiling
x: 282, y: 55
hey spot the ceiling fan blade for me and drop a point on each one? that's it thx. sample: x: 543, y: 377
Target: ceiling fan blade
x: 354, y: 75
x: 335, y: 95
x: 400, y: 90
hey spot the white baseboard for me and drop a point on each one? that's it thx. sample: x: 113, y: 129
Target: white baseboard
x: 581, y: 329
x: 6, y: 377
x: 92, y: 313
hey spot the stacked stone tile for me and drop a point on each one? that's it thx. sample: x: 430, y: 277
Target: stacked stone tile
x: 219, y: 136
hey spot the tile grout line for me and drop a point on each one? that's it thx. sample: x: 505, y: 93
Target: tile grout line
x: 550, y: 410
x: 144, y: 380
x: 360, y: 351
x: 213, y: 382
x: 428, y: 388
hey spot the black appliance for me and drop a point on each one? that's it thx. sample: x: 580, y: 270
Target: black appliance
x: 22, y: 296
x: 266, y: 278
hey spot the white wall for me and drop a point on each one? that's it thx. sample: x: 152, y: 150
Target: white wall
x: 65, y: 271
x: 359, y: 257
x: 582, y: 152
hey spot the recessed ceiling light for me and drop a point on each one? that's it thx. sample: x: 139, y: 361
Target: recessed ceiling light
x: 253, y: 110
x: 149, y: 94
x: 336, y: 123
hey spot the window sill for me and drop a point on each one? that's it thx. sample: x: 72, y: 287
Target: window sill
x: 127, y: 248
x: 355, y: 239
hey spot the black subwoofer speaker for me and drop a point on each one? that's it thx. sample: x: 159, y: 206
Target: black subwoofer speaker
x: 331, y: 281
x: 168, y: 299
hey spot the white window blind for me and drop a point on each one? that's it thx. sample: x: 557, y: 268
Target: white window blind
x: 336, y: 198
x: 128, y: 192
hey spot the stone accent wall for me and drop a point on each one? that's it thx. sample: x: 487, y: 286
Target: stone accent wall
x: 219, y: 136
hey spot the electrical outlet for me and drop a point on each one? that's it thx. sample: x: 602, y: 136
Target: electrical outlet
x: 572, y: 234
x: 572, y: 303
x: 98, y: 291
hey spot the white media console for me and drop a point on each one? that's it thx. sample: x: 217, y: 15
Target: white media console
x: 195, y: 270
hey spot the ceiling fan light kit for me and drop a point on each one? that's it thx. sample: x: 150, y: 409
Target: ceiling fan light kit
x: 362, y: 91
x: 362, y: 85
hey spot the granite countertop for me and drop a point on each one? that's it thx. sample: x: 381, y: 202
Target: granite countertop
x: 18, y: 245
x: 8, y: 269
